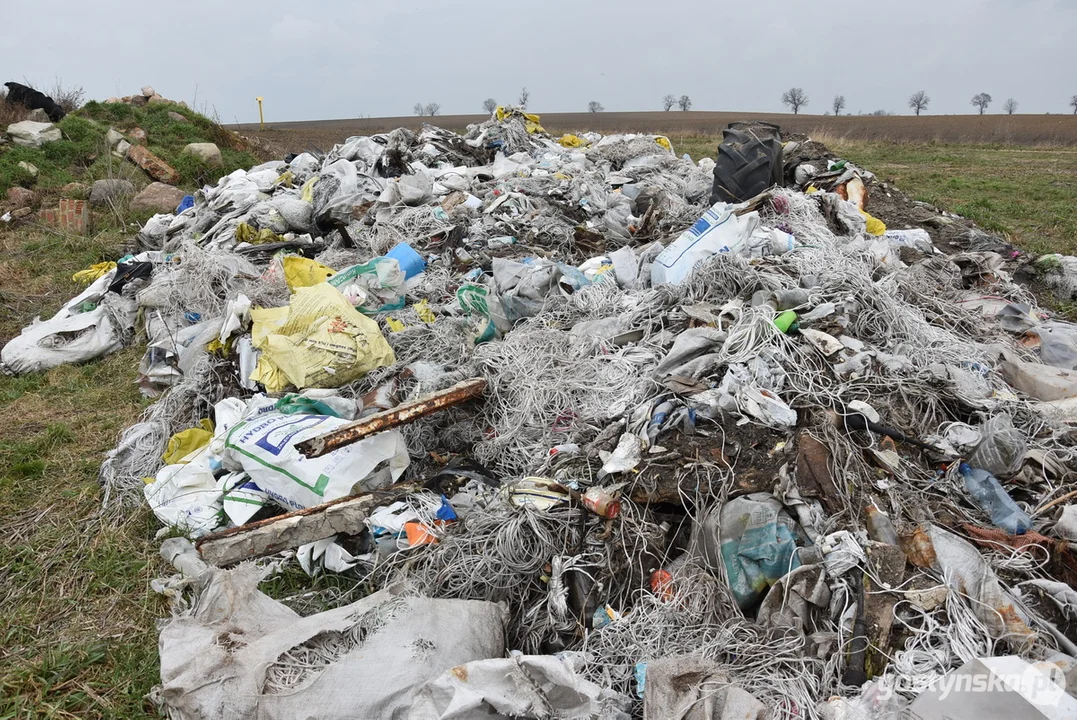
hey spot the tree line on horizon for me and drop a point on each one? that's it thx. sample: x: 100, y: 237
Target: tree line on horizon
x: 795, y: 98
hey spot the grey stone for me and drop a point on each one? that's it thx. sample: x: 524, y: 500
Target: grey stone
x: 38, y: 115
x: 158, y: 197
x: 208, y: 152
x: 148, y: 91
x: 33, y: 134
x: 121, y: 149
x: 30, y: 168
x: 158, y: 100
x: 176, y: 116
x: 113, y: 137
x: 105, y: 190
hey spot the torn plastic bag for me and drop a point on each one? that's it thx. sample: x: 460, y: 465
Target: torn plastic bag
x: 690, y: 687
x: 364, y: 149
x: 521, y: 686
x: 241, y: 498
x: 167, y: 360
x: 340, y: 189
x: 186, y: 495
x: 373, y: 287
x: 1058, y: 344
x: 318, y: 340
x: 990, y: 688
x: 720, y: 230
x: 695, y: 353
x: 1060, y: 593
x: 237, y: 654
x: 964, y: 569
x: 324, y: 554
x: 92, y: 324
x: 408, y: 190
x: 792, y: 601
x: 1002, y: 447
x: 264, y: 446
x: 754, y: 539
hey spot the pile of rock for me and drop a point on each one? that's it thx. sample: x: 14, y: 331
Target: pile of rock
x: 148, y: 96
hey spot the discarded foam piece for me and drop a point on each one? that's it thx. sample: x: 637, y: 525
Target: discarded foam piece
x: 997, y: 688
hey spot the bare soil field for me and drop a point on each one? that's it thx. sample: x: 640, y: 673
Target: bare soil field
x: 978, y: 129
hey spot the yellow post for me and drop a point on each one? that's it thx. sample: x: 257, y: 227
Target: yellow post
x: 261, y: 118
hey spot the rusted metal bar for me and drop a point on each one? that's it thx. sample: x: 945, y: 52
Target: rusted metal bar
x: 283, y: 532
x: 400, y: 415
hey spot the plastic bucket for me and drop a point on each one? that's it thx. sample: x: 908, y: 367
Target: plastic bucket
x: 411, y: 262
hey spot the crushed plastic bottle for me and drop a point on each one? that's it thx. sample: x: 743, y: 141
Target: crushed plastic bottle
x: 993, y: 499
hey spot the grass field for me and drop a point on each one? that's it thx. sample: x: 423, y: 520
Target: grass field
x: 77, y: 617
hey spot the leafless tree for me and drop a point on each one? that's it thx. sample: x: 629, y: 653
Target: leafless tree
x: 1010, y: 107
x: 839, y: 104
x: 685, y: 103
x: 432, y: 109
x: 919, y: 101
x: 981, y: 101
x: 595, y: 106
x: 668, y: 102
x: 1073, y: 102
x: 418, y: 109
x: 524, y: 97
x: 795, y: 99
x: 489, y: 105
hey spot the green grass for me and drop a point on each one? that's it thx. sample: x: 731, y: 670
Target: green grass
x: 82, y: 154
x: 77, y: 616
x: 1026, y: 194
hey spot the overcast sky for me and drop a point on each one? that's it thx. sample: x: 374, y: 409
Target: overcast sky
x: 325, y: 59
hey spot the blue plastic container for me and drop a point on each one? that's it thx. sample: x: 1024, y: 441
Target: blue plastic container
x: 411, y: 262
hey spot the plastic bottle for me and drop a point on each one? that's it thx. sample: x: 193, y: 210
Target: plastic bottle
x: 993, y: 499
x: 880, y: 529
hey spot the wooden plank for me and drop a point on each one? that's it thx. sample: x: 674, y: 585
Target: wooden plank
x: 284, y: 532
x: 400, y: 415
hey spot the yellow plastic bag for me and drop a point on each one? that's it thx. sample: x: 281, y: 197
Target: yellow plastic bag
x: 246, y: 233
x: 318, y: 341
x: 188, y: 441
x: 94, y: 272
x: 572, y: 141
x: 531, y: 122
x: 299, y: 272
x: 425, y: 313
x: 875, y: 225
x: 306, y: 194
x: 664, y: 142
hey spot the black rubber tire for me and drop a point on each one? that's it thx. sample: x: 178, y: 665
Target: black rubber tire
x: 749, y: 162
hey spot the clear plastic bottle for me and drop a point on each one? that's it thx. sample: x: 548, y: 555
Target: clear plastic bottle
x: 992, y: 498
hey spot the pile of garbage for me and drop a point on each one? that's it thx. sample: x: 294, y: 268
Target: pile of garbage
x: 589, y: 430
